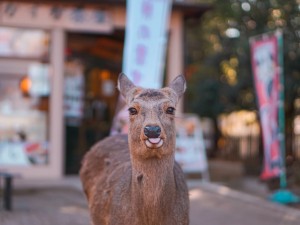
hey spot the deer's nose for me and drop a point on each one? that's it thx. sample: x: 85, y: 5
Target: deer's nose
x: 152, y: 131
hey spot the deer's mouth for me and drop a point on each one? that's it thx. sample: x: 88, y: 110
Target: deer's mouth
x: 154, y: 142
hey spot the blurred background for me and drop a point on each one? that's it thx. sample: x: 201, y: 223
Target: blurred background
x: 59, y: 64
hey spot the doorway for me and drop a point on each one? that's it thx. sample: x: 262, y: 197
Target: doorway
x: 93, y: 63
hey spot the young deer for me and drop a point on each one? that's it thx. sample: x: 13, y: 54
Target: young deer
x: 135, y: 180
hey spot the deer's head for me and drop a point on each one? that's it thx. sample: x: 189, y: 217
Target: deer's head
x: 151, y: 113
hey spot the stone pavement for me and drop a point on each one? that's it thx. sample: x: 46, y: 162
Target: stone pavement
x: 47, y: 206
x: 62, y: 202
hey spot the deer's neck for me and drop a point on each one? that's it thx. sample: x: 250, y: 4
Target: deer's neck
x: 153, y: 187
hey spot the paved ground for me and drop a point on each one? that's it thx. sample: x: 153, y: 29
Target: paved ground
x: 214, y: 205
x: 55, y: 206
x: 62, y: 203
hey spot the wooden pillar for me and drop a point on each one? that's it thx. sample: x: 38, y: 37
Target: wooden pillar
x: 175, y: 61
x: 57, y: 52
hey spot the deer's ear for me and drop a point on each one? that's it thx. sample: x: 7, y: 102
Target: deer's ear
x: 178, y: 85
x: 124, y: 85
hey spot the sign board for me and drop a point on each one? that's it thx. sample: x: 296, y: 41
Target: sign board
x: 46, y: 16
x: 190, y: 147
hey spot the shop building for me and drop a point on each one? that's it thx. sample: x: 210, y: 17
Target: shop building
x: 59, y: 65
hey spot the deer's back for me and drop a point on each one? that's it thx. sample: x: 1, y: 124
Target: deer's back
x: 102, y: 167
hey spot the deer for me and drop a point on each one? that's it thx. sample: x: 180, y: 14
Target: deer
x: 134, y: 179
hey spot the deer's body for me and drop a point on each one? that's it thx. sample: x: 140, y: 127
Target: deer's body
x: 135, y: 180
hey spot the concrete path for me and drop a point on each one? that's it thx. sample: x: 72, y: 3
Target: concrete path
x: 62, y: 203
x: 213, y: 204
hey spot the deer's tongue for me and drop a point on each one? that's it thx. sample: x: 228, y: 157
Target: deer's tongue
x: 154, y: 140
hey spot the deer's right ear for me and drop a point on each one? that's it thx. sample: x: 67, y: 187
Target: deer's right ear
x: 178, y: 85
x: 125, y: 85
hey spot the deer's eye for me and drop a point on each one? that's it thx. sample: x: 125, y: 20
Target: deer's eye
x: 170, y: 110
x: 132, y: 111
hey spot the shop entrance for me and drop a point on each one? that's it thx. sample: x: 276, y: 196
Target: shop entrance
x: 93, y: 63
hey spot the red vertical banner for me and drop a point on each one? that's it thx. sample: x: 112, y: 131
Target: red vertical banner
x: 266, y: 71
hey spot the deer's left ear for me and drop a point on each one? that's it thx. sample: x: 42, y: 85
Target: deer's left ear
x: 178, y: 85
x: 127, y: 89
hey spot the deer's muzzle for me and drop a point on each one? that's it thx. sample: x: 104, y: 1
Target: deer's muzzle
x: 152, y: 131
x: 153, y: 134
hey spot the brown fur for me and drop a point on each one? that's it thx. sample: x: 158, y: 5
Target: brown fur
x: 127, y: 183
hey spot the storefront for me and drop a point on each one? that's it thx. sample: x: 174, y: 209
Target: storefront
x: 59, y: 65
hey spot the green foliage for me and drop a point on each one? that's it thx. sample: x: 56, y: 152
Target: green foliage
x: 219, y: 69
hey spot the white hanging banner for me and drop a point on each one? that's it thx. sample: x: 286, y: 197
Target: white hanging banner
x: 145, y: 41
x: 144, y: 51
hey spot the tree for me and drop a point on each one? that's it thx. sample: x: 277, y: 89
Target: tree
x: 218, y: 59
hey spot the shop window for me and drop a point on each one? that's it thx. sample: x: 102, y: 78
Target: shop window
x: 24, y: 97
